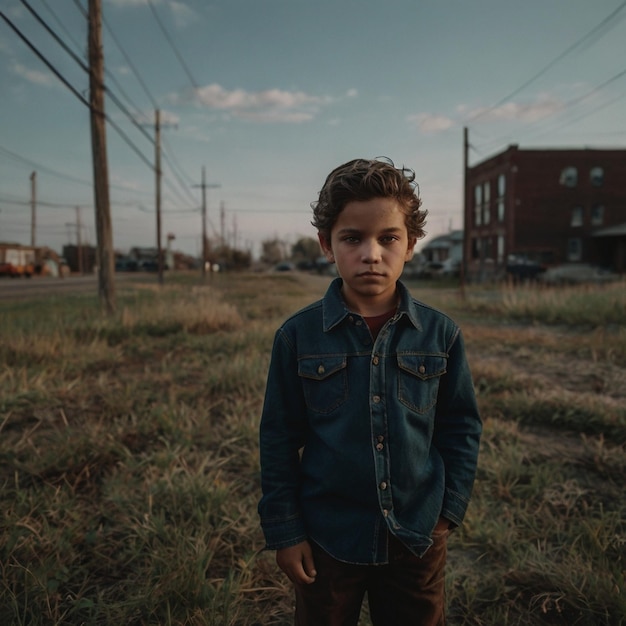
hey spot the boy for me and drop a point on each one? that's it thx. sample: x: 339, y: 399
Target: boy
x: 369, y: 433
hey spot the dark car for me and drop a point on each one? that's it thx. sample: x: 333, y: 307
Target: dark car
x: 522, y: 269
x: 126, y: 265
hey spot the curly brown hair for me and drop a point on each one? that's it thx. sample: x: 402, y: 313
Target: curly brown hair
x: 365, y: 179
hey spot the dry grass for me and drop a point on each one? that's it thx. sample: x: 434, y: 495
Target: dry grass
x: 129, y: 462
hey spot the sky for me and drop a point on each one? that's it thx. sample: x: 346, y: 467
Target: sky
x: 268, y: 96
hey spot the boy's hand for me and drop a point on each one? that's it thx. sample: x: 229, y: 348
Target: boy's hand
x: 297, y: 562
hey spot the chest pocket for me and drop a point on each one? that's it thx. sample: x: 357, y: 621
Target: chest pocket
x: 324, y: 382
x: 418, y: 380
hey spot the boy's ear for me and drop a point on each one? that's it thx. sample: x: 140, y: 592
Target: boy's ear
x: 410, y: 248
x: 326, y: 249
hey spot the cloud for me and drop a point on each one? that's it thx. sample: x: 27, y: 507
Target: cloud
x: 269, y: 105
x: 543, y: 107
x: 430, y: 123
x: 33, y: 76
x: 131, y: 3
x: 181, y: 13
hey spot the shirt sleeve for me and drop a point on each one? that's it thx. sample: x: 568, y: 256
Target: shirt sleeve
x: 457, y: 431
x: 282, y: 434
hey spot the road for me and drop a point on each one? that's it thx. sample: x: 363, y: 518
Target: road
x: 18, y: 288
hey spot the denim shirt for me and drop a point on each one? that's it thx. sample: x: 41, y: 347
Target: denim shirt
x: 361, y: 437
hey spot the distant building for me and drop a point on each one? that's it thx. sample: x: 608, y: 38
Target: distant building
x: 546, y: 206
x: 80, y: 258
x: 444, y: 247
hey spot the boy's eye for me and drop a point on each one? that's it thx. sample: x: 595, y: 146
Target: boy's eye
x: 351, y: 239
x: 389, y: 238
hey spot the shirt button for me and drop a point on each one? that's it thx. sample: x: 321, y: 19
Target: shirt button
x: 383, y: 486
x: 359, y: 323
x: 385, y: 512
x: 421, y: 369
x: 321, y: 369
x: 375, y: 360
x: 376, y: 399
x: 379, y: 446
x: 380, y: 439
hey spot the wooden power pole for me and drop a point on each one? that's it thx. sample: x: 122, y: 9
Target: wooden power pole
x: 204, y: 187
x: 157, y: 157
x: 466, y: 207
x: 79, y: 246
x: 33, y: 209
x: 104, y: 256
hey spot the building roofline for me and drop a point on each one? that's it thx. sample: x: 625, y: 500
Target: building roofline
x: 514, y: 148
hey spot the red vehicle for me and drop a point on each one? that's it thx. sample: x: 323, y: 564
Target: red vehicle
x: 17, y: 261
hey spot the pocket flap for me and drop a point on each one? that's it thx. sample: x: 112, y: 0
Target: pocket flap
x: 320, y: 367
x: 422, y: 365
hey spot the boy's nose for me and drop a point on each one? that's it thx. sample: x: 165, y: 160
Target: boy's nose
x: 371, y: 252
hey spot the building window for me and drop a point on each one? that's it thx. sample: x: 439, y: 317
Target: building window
x: 478, y: 205
x: 475, y: 248
x: 486, y: 203
x: 486, y: 248
x: 596, y: 176
x: 597, y: 215
x: 569, y: 177
x: 500, y: 200
x: 574, y: 250
x: 577, y: 216
x: 500, y: 249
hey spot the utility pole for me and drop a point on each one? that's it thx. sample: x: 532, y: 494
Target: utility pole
x: 79, y: 247
x: 33, y: 208
x: 158, y: 179
x: 106, y: 287
x: 466, y: 205
x: 157, y: 150
x: 204, y: 187
x: 222, y: 225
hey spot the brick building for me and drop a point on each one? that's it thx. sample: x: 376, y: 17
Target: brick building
x: 547, y: 206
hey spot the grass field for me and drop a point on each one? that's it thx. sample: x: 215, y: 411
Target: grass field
x: 129, y: 462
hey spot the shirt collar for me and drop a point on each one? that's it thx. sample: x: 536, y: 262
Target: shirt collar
x: 335, y: 311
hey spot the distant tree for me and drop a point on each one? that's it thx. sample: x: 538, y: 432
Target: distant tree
x: 232, y: 259
x: 272, y: 251
x: 306, y: 249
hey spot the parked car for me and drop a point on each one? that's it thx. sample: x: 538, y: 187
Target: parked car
x: 522, y: 269
x: 126, y: 265
x: 577, y: 274
x: 285, y: 266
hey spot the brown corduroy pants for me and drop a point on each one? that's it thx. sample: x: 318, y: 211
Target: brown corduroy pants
x: 408, y: 591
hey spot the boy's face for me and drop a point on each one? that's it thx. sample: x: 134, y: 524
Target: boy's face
x: 370, y: 244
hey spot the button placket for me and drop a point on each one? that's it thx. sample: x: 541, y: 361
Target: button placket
x: 378, y: 413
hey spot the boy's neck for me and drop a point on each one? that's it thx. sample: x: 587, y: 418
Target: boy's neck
x: 371, y: 307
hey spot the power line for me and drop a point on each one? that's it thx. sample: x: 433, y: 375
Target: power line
x: 86, y: 69
x: 169, y: 40
x: 112, y: 95
x: 170, y: 160
x: 42, y: 168
x: 604, y: 23
x: 73, y: 89
x: 573, y: 103
x: 130, y: 63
